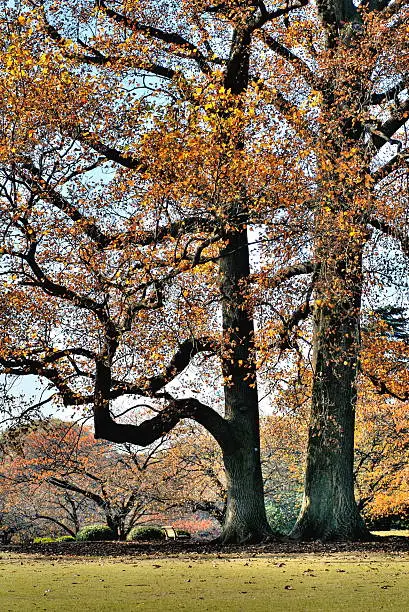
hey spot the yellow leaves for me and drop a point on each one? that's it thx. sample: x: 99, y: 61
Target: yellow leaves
x: 43, y: 59
x: 327, y: 165
x: 350, y: 153
x: 66, y: 77
x: 315, y: 99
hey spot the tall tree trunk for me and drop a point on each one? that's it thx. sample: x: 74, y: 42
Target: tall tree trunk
x: 245, y: 519
x: 113, y: 524
x: 329, y: 510
x: 245, y: 512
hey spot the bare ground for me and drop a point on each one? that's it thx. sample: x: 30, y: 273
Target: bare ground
x: 381, y: 545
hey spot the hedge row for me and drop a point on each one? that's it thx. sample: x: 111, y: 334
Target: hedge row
x: 97, y: 533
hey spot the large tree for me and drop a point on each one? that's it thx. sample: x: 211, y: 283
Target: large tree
x: 363, y: 103
x: 131, y: 173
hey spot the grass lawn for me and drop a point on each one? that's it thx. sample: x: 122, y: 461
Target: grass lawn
x: 393, y: 532
x: 348, y: 582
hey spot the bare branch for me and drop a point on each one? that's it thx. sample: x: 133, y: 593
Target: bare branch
x: 388, y: 95
x: 307, y: 267
x: 392, y: 125
x: 111, y: 153
x: 389, y: 230
x: 152, y: 429
x: 295, y: 61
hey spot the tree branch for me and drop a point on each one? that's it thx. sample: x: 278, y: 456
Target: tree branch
x: 99, y: 59
x: 40, y: 188
x: 297, y: 62
x: 174, y: 40
x: 281, y: 12
x: 152, y: 429
x: 92, y: 140
x: 180, y: 360
x: 391, y: 125
x: 285, y: 274
x: 383, y: 389
x: 56, y: 290
x: 388, y: 95
x: 388, y: 230
x: 53, y: 520
x: 68, y: 486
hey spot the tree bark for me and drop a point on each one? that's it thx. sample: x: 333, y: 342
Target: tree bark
x: 329, y: 510
x: 246, y: 518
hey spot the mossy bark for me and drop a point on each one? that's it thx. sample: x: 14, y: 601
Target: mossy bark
x: 329, y: 510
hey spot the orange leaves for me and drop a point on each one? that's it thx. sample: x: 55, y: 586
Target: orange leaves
x: 382, y: 455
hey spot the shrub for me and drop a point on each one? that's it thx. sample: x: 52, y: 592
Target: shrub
x: 147, y: 533
x: 65, y: 538
x: 281, y: 518
x: 95, y: 533
x: 183, y: 532
x: 44, y: 540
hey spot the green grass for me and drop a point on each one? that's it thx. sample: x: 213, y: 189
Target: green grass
x: 359, y: 583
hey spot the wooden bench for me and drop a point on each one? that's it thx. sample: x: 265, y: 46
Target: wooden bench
x: 172, y: 534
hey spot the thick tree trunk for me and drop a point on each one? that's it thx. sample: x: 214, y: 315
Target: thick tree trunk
x: 245, y: 519
x: 329, y: 510
x: 245, y: 513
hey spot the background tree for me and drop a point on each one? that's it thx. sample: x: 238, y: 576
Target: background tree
x: 381, y: 465
x: 59, y: 473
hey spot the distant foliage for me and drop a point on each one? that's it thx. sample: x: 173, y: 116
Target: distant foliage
x: 147, y: 533
x: 281, y: 518
x: 95, y: 533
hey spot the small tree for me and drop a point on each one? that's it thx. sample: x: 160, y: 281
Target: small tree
x: 60, y: 474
